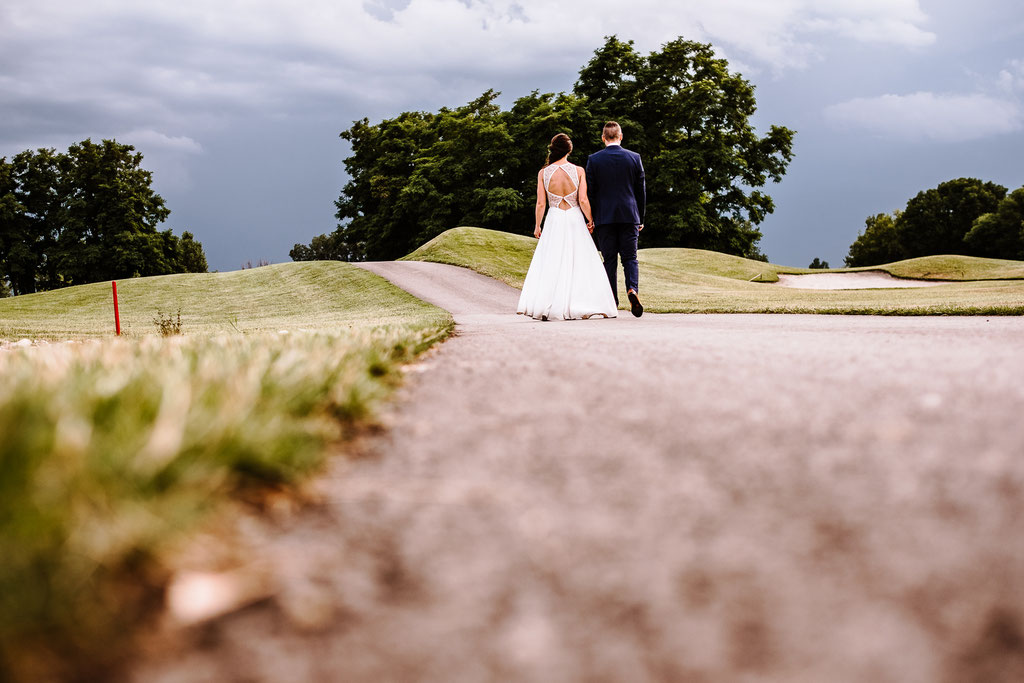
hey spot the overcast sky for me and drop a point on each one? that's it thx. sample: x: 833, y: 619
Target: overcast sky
x: 237, y: 106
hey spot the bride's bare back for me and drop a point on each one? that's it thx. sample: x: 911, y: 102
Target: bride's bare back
x: 562, y: 184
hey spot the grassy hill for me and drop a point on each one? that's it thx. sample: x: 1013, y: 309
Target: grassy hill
x: 698, y: 281
x: 319, y: 295
x: 956, y: 268
x: 500, y: 255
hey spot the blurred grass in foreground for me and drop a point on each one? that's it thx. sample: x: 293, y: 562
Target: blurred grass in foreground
x: 113, y: 449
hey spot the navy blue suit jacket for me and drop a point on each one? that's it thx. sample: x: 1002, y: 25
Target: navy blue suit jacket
x: 615, y: 186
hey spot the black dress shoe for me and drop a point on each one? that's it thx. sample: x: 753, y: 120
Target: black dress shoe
x: 635, y: 307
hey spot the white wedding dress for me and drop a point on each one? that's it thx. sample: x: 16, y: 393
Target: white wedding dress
x: 566, y: 279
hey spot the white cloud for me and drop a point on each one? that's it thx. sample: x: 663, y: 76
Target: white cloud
x: 155, y: 140
x: 885, y: 30
x: 1011, y: 79
x: 930, y: 116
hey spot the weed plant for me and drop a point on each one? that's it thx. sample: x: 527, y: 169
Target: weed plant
x: 166, y: 324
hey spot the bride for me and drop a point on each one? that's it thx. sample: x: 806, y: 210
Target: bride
x: 566, y: 279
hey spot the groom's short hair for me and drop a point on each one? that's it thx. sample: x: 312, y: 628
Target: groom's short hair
x: 612, y: 131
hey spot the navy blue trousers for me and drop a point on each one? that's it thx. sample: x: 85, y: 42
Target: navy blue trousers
x: 616, y: 240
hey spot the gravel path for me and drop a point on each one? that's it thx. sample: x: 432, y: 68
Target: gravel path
x: 671, y: 498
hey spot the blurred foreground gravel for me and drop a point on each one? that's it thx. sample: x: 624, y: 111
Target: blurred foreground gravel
x: 674, y: 498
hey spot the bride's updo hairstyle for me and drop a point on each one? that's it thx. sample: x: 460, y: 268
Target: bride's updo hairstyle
x: 560, y: 146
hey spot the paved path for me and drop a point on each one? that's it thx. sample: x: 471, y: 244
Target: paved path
x: 674, y: 498
x: 471, y: 298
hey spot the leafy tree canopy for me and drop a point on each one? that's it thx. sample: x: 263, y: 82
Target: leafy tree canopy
x: 1000, y: 234
x: 85, y: 215
x: 420, y: 173
x: 192, y: 257
x: 961, y: 216
x: 818, y: 264
x: 937, y: 220
x: 322, y: 248
x: 879, y: 243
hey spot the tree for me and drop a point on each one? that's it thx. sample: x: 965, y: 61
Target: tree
x: 608, y: 83
x: 818, y: 265
x: 112, y: 216
x: 191, y: 257
x: 1000, y: 234
x: 944, y: 220
x: 689, y: 118
x: 85, y: 215
x: 10, y: 210
x: 418, y: 174
x: 30, y: 219
x: 879, y: 243
x: 322, y: 248
x: 937, y: 220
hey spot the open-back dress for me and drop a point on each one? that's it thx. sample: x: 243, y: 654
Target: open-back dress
x: 566, y: 279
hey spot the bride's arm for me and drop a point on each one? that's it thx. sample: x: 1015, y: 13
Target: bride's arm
x: 542, y: 202
x: 584, y: 200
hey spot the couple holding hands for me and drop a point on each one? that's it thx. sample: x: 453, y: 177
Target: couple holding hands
x: 566, y: 279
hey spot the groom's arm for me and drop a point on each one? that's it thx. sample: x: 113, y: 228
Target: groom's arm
x: 640, y: 190
x: 591, y: 179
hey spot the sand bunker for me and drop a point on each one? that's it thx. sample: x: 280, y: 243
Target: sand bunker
x: 876, y: 279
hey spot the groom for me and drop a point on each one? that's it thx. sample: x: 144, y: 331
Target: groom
x: 618, y: 197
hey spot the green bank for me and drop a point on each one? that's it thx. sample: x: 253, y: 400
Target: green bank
x: 319, y: 295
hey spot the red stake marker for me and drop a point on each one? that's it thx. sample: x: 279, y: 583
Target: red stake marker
x: 117, y: 316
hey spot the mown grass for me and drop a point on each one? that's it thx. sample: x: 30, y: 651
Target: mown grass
x: 114, y: 448
x: 668, y: 288
x: 293, y: 296
x: 954, y: 268
x: 698, y: 281
x: 500, y: 255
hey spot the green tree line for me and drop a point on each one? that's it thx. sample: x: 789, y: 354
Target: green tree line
x: 85, y: 215
x: 962, y: 216
x: 415, y: 175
